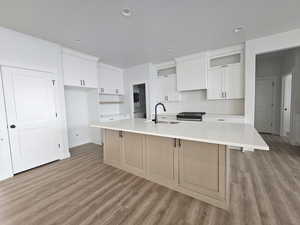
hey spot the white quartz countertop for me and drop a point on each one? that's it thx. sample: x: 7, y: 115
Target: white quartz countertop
x: 233, y: 134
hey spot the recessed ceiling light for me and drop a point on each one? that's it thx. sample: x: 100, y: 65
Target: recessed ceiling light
x: 238, y: 29
x: 126, y: 12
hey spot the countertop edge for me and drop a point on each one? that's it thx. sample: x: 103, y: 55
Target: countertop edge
x: 185, y: 138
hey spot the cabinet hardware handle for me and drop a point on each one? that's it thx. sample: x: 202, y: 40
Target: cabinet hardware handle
x: 225, y: 94
x: 80, y: 82
x: 120, y: 134
x: 13, y: 126
x: 102, y: 89
x: 83, y: 82
x: 222, y: 94
x: 179, y: 143
x: 175, y: 142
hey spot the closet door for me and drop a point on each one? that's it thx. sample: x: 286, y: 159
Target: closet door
x: 30, y: 98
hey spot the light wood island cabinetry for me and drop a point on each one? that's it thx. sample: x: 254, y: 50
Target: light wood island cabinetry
x: 197, y: 169
x: 133, y: 152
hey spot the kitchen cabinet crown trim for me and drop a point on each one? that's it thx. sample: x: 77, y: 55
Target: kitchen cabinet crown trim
x: 191, y: 57
x: 165, y: 65
x: 103, y: 65
x: 226, y: 51
x: 79, y: 54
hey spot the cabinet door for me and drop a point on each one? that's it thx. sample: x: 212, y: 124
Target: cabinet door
x: 89, y: 73
x: 79, y: 72
x: 233, y: 81
x: 112, y: 147
x: 215, y: 83
x: 71, y: 69
x: 191, y: 74
x: 160, y: 159
x: 111, y: 80
x: 133, y: 152
x: 119, y: 83
x: 202, y: 168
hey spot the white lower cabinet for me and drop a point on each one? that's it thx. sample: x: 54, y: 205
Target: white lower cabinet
x: 197, y: 169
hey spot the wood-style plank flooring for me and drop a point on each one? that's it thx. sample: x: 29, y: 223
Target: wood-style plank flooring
x: 265, y: 190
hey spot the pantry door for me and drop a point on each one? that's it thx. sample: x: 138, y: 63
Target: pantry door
x: 31, y: 100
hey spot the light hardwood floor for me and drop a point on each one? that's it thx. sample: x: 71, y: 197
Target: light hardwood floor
x: 265, y: 189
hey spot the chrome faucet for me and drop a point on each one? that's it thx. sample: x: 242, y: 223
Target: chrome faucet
x: 155, y: 120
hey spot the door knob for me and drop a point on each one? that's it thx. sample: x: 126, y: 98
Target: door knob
x: 285, y: 109
x: 12, y: 126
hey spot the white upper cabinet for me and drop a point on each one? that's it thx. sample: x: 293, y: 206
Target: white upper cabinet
x: 215, y: 83
x: 110, y: 80
x: 192, y: 72
x: 79, y: 70
x: 225, y: 74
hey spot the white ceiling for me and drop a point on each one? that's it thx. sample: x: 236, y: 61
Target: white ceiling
x: 158, y: 30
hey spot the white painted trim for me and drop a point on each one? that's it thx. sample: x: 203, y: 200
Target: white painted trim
x: 148, y: 113
x: 79, y: 54
x: 282, y: 105
x: 65, y: 153
x: 165, y: 65
x: 5, y: 155
x: 190, y: 57
x: 226, y: 51
x: 102, y: 65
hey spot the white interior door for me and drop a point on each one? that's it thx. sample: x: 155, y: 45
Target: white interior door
x: 32, y: 121
x: 286, y: 105
x: 264, y: 105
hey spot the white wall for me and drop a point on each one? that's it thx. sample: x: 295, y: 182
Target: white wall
x: 24, y: 51
x: 5, y: 160
x: 93, y: 115
x: 82, y: 109
x: 253, y: 47
x: 295, y: 136
x: 137, y: 75
x: 277, y: 65
x: 77, y: 116
x: 271, y: 66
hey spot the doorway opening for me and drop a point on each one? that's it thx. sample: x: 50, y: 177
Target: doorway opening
x: 139, y: 101
x: 275, y: 92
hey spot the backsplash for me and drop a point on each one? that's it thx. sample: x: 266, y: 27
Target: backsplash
x: 194, y: 100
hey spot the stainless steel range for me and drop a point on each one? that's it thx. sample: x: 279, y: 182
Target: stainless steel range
x: 190, y: 116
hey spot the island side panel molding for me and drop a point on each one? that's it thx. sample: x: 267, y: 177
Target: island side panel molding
x: 161, y: 157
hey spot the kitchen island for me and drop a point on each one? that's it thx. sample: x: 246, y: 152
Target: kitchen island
x: 193, y: 159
